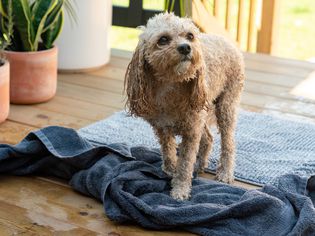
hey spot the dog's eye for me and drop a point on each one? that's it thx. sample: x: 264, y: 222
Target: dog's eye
x: 163, y: 40
x: 190, y: 36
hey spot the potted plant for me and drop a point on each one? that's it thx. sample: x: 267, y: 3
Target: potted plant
x: 4, y: 89
x: 32, y: 54
x: 5, y: 68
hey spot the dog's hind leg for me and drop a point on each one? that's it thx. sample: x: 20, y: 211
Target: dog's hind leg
x: 225, y: 111
x: 204, y: 150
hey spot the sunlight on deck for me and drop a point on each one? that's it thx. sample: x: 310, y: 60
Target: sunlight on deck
x: 306, y: 88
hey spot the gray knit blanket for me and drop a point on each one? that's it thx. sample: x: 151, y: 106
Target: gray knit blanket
x: 267, y: 146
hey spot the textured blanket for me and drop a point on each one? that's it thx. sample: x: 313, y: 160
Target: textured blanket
x: 267, y: 146
x: 133, y: 188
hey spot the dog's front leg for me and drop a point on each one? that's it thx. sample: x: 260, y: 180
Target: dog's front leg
x: 168, y: 148
x: 181, y: 183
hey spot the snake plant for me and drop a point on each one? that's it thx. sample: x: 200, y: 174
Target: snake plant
x: 36, y: 23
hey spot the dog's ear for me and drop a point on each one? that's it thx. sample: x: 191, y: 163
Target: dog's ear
x: 136, y: 83
x: 198, y: 98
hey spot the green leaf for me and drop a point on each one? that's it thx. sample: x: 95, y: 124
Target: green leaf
x: 69, y: 6
x: 54, y: 15
x: 16, y: 43
x: 22, y: 22
x: 3, y: 7
x: 41, y: 10
x: 52, y: 33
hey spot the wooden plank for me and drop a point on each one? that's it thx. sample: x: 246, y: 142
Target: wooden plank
x: 277, y: 104
x: 22, y: 221
x: 111, y: 72
x: 306, y: 87
x: 268, y: 32
x: 275, y: 91
x: 119, y: 53
x: 55, y: 202
x: 217, y: 6
x: 282, y: 114
x: 277, y: 69
x: 207, y: 5
x: 126, y: 232
x: 252, y: 29
x: 187, y: 7
x: 273, y: 79
x: 228, y: 15
x: 77, y: 108
x: 101, y: 81
x: 267, y: 59
x: 12, y: 132
x: 36, y: 117
x: 8, y: 228
x: 208, y: 23
x: 240, y: 33
x: 95, y: 96
x: 236, y: 182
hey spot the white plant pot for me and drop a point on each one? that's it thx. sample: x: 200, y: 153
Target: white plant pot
x: 85, y: 45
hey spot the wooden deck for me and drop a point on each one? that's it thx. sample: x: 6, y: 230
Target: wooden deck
x: 40, y: 206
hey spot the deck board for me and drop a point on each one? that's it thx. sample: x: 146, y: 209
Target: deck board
x: 39, y: 205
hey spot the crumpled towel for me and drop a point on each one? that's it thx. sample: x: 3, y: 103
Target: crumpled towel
x: 133, y: 188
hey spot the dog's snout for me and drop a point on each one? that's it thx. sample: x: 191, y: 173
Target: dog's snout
x: 184, y: 49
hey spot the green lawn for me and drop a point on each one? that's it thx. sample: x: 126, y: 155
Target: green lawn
x: 296, y: 31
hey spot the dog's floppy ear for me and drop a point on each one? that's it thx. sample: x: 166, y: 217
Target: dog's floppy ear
x: 136, y: 83
x: 198, y: 98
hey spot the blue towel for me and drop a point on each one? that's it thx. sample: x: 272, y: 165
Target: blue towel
x: 132, y: 187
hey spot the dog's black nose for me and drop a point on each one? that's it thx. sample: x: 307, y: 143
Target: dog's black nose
x: 184, y: 49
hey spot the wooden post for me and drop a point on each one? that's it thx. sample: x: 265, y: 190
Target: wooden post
x: 240, y: 38
x: 228, y: 15
x: 267, y: 34
x: 205, y: 21
x: 217, y: 8
x: 252, y: 29
x: 187, y: 7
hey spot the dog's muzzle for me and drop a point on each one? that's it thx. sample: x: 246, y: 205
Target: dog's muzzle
x: 184, y: 49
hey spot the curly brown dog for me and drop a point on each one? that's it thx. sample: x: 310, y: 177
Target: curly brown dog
x: 181, y: 81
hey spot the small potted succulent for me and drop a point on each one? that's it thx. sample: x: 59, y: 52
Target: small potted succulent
x: 5, y: 69
x: 32, y: 54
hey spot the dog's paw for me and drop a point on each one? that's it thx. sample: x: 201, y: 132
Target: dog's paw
x: 180, y: 191
x: 180, y: 194
x: 199, y: 167
x: 224, y: 176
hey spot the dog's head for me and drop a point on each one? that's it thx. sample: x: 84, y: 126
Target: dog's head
x: 169, y: 50
x: 172, y: 47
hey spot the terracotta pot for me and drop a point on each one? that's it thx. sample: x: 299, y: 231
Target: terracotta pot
x: 33, y: 76
x: 4, y: 91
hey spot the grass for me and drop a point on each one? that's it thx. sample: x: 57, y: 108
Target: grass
x: 297, y: 30
x: 296, y: 38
